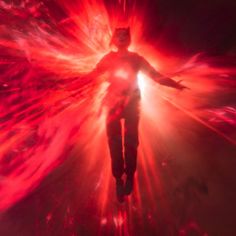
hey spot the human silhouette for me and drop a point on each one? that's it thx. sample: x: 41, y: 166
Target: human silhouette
x: 122, y: 102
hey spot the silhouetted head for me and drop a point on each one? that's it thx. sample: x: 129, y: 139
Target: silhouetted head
x: 121, y: 38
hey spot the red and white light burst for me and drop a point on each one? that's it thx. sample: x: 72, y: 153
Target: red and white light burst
x: 45, y: 101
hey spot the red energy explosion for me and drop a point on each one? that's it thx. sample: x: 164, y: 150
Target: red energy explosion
x: 49, y: 113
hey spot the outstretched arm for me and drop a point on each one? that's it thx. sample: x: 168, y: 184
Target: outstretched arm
x: 170, y: 82
x: 159, y: 78
x: 100, y: 68
x: 89, y: 79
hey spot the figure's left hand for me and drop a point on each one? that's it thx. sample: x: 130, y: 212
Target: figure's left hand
x: 180, y: 86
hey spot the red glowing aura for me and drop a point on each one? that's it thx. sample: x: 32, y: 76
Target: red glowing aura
x: 48, y: 111
x: 44, y: 106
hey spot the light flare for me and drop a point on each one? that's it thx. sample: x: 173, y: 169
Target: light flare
x: 50, y: 111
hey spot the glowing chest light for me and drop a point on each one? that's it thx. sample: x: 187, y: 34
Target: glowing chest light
x: 122, y: 73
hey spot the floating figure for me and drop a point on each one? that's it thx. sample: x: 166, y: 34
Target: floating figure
x: 122, y: 101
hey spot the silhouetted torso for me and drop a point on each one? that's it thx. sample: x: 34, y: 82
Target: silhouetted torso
x: 122, y: 69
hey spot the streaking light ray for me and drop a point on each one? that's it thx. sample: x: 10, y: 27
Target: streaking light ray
x: 51, y: 112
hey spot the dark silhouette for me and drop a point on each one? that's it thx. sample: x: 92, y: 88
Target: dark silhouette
x: 122, y: 101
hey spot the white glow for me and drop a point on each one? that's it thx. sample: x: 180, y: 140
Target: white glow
x: 141, y: 81
x: 121, y: 73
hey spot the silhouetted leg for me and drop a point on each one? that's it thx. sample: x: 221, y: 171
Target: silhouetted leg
x: 131, y: 143
x: 115, y: 145
x: 131, y: 116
